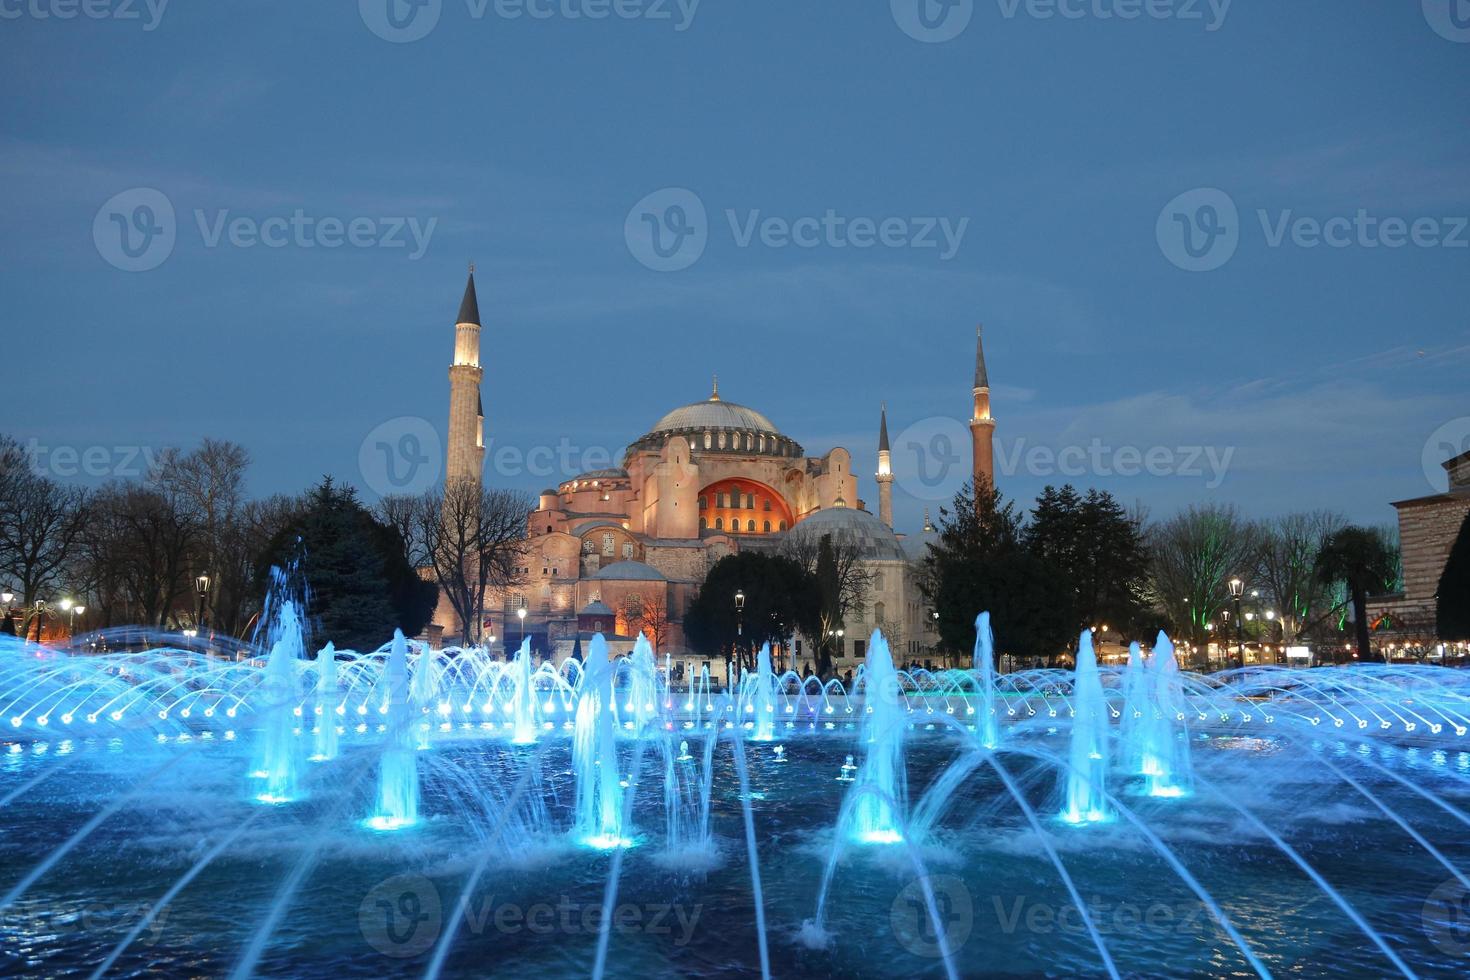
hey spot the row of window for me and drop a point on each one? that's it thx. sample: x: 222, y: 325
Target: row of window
x: 740, y: 440
x: 733, y: 500
x: 735, y: 525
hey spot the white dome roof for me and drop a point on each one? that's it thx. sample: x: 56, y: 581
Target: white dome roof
x: 714, y: 414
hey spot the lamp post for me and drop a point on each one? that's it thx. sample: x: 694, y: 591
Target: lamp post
x: 739, y: 632
x: 40, y: 608
x: 1237, y: 589
x: 201, y: 592
x: 521, y: 615
x: 7, y: 597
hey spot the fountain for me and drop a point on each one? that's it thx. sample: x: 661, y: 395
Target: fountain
x: 1307, y: 818
x: 599, y: 820
x: 325, y: 709
x: 881, y: 791
x: 398, y: 777
x: 279, y: 749
x: 1165, y: 736
x: 524, y: 704
x: 1085, y: 778
x: 762, y: 696
x: 984, y: 665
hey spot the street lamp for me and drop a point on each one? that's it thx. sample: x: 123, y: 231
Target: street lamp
x: 7, y: 597
x: 521, y: 615
x: 40, y: 617
x: 1237, y: 589
x: 201, y: 590
x: 739, y: 631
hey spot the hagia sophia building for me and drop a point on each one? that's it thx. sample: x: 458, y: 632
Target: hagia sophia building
x: 706, y: 480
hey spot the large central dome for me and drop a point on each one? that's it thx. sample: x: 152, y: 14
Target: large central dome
x: 714, y: 414
x: 715, y: 424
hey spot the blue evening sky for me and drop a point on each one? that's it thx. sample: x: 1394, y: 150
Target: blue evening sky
x: 1291, y: 375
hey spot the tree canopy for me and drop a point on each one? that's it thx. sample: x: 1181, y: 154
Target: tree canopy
x: 362, y: 585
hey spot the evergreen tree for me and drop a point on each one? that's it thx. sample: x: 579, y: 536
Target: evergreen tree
x: 1453, y: 615
x: 1100, y: 551
x: 362, y: 587
x: 979, y: 564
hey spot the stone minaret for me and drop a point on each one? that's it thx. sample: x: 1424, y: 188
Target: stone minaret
x: 885, y: 470
x: 982, y: 426
x: 466, y: 456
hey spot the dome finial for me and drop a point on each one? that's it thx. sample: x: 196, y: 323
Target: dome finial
x: 715, y: 394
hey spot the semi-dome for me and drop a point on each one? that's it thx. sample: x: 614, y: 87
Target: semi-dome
x: 630, y: 571
x: 851, y: 527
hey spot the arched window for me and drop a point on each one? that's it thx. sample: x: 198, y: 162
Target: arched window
x: 704, y: 523
x: 783, y: 525
x: 607, y: 545
x: 767, y: 527
x: 722, y: 440
x: 878, y: 610
x: 627, y: 549
x: 588, y: 546
x: 706, y: 440
x: 719, y: 523
x: 750, y: 526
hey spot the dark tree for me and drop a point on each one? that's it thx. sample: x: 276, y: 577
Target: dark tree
x: 780, y: 597
x: 362, y: 586
x: 1099, y: 550
x: 980, y: 564
x: 1453, y: 617
x: 1358, y: 558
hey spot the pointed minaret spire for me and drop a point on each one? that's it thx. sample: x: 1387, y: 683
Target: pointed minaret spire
x: 928, y: 524
x: 982, y: 426
x: 982, y: 377
x: 885, y: 470
x: 469, y: 307
x: 714, y: 395
x: 466, y: 444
